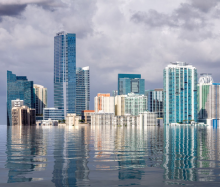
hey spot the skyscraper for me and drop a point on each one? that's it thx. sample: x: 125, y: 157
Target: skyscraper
x: 180, y: 93
x: 208, y: 99
x: 155, y: 101
x: 82, y: 89
x: 128, y: 83
x: 18, y: 87
x: 40, y: 98
x: 65, y: 72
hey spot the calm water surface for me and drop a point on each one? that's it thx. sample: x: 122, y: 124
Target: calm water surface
x: 109, y: 156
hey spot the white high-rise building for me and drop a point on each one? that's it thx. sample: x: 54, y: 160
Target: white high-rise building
x: 208, y: 99
x: 40, y: 98
x: 180, y: 93
x: 105, y: 103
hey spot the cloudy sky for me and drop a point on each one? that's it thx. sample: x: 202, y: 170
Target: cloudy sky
x: 113, y: 36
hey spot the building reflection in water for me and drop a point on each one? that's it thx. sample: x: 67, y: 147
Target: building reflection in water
x: 70, y: 156
x: 24, y: 144
x: 134, y: 148
x: 191, y: 153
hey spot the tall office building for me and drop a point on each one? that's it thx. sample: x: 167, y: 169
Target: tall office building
x: 155, y: 101
x: 18, y: 87
x: 40, y: 98
x: 82, y: 89
x: 65, y: 72
x: 208, y: 99
x: 128, y: 83
x: 180, y: 93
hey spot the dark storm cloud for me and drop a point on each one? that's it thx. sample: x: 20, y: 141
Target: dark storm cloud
x: 204, y: 5
x: 11, y: 9
x: 186, y: 16
x: 15, y: 10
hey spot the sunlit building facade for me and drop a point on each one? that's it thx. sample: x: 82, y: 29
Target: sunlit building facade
x: 208, y: 99
x: 18, y: 87
x: 104, y: 102
x: 65, y: 72
x: 180, y: 93
x: 40, y: 98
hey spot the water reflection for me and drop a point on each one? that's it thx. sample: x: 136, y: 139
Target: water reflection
x: 24, y: 144
x: 70, y: 157
x: 191, y: 153
x: 77, y: 156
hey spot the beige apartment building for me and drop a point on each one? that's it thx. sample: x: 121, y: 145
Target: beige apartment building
x: 104, y: 102
x: 40, y: 98
x: 23, y: 115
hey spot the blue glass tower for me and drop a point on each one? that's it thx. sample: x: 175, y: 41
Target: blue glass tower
x: 128, y: 83
x: 65, y: 72
x: 82, y: 89
x: 180, y: 93
x: 18, y: 87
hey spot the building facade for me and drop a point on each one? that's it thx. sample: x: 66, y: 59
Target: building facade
x: 148, y: 118
x: 128, y: 83
x: 53, y: 114
x: 86, y: 116
x: 40, y: 98
x: 72, y: 119
x: 155, y: 101
x: 180, y: 93
x: 104, y: 102
x: 120, y: 105
x: 208, y: 99
x: 65, y: 72
x: 135, y: 104
x: 82, y: 89
x: 102, y: 118
x: 23, y: 115
x: 18, y: 87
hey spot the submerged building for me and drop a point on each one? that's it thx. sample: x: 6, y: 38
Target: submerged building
x: 18, y: 87
x: 208, y: 99
x: 180, y: 93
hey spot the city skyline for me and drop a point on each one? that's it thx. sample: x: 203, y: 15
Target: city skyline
x: 122, y: 46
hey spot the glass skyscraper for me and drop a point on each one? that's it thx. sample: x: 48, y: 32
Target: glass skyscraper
x: 155, y: 101
x: 82, y: 89
x: 65, y: 72
x: 180, y: 93
x: 18, y: 87
x: 128, y: 83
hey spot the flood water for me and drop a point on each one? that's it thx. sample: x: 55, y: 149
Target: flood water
x: 109, y: 156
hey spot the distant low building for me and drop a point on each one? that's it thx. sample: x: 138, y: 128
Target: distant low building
x: 72, y: 119
x: 102, y: 118
x: 23, y: 116
x: 148, y: 118
x: 53, y: 114
x: 86, y: 116
x: 49, y: 122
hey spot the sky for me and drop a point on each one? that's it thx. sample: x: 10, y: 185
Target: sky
x: 113, y: 36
